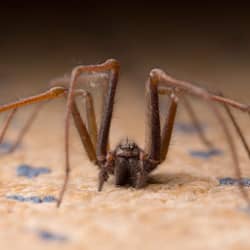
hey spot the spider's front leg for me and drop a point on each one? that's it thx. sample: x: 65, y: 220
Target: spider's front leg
x: 112, y: 67
x: 157, y: 140
x: 106, y: 169
x: 105, y: 161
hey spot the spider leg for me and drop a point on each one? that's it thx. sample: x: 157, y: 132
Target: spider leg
x: 230, y: 102
x: 103, y: 135
x: 113, y: 67
x: 156, y: 140
x: 83, y: 133
x: 52, y: 93
x: 104, y: 93
x: 158, y: 75
x: 153, y: 127
x: 86, y: 141
x: 168, y: 126
x: 90, y: 116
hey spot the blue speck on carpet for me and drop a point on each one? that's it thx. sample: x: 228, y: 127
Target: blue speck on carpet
x: 245, y: 209
x: 205, y: 154
x: 232, y: 181
x: 188, y: 128
x: 34, y: 199
x: 49, y: 236
x: 5, y: 147
x: 31, y: 172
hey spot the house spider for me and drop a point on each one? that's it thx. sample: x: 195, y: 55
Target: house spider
x: 130, y: 164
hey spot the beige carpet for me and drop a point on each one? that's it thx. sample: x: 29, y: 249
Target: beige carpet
x: 183, y: 207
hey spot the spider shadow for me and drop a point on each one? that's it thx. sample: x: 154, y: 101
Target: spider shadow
x: 176, y: 179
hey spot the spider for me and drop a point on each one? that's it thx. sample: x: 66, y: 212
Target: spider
x: 130, y: 164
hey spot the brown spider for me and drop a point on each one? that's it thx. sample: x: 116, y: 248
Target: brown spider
x: 129, y: 164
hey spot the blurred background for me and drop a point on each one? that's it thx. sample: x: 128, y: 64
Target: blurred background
x: 207, y: 43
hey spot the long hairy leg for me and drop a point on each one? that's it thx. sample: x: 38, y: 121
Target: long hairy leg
x: 153, y: 127
x: 52, y: 93
x: 86, y: 141
x: 112, y: 66
x: 83, y: 133
x: 90, y: 116
x: 102, y: 145
x: 167, y: 129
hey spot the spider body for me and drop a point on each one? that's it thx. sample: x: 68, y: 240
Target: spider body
x: 129, y: 163
x: 126, y: 164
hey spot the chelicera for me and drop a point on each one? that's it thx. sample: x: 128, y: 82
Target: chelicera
x: 130, y: 164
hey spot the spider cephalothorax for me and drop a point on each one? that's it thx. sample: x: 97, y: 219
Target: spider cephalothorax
x: 127, y: 149
x: 130, y: 164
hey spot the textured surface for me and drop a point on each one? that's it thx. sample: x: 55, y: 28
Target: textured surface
x: 183, y: 207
